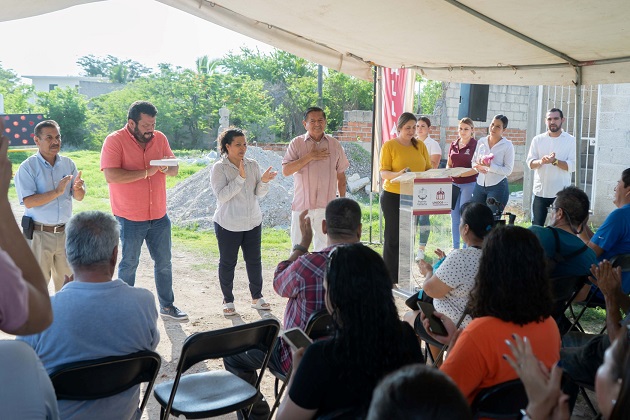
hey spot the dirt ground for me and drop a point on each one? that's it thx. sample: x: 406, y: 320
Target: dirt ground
x: 197, y: 292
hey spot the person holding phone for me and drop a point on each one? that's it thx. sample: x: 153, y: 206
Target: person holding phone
x: 399, y: 155
x: 451, y: 283
x: 238, y: 185
x: 342, y: 372
x: 46, y: 184
x: 512, y: 295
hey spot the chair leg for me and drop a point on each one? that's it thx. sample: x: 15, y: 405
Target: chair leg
x: 276, y: 403
x: 588, y: 401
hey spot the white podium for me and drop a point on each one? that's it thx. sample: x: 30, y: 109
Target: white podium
x: 421, y: 193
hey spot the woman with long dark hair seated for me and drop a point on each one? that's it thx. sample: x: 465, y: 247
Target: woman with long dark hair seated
x: 512, y: 295
x: 451, y: 283
x: 369, y: 341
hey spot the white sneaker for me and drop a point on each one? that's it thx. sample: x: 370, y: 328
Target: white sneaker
x: 420, y: 255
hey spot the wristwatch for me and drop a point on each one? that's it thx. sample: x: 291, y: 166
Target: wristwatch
x: 555, y: 162
x: 298, y: 247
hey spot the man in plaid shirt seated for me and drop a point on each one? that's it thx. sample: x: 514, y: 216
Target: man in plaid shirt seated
x: 301, y: 279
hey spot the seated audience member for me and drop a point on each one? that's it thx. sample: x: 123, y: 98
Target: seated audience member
x: 582, y: 354
x: 369, y: 340
x: 452, y: 282
x: 301, y: 280
x: 546, y: 400
x: 613, y: 236
x: 418, y: 392
x: 569, y: 217
x: 512, y: 295
x: 27, y: 392
x: 95, y: 316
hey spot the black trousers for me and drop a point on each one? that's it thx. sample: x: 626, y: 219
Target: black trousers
x: 390, y: 204
x: 229, y: 244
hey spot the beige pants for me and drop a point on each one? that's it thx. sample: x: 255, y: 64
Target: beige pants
x: 50, y: 251
x: 320, y: 240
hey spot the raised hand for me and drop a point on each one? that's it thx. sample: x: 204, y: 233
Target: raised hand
x: 241, y: 169
x: 306, y: 229
x: 268, y: 175
x: 63, y: 183
x: 78, y: 182
x: 541, y: 385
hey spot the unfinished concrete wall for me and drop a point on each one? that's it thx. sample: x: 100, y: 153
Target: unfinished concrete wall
x: 613, y: 146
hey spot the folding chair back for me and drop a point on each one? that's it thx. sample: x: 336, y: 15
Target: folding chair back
x: 105, y: 377
x: 621, y: 260
x: 564, y: 290
x: 502, y: 401
x: 319, y: 325
x: 217, y: 392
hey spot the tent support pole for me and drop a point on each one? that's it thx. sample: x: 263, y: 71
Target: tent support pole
x: 577, y: 130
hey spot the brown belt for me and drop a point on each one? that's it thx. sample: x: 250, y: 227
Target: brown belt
x: 51, y: 229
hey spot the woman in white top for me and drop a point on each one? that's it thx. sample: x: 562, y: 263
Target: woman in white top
x: 494, y: 160
x: 452, y: 281
x: 435, y: 154
x: 238, y: 184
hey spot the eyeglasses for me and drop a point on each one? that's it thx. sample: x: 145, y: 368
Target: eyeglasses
x: 554, y: 208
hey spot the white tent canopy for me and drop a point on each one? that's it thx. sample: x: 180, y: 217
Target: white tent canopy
x: 531, y: 42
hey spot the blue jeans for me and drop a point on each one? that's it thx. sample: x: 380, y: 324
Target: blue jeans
x: 539, y: 209
x: 157, y: 234
x: 500, y: 192
x: 465, y: 195
x: 229, y: 243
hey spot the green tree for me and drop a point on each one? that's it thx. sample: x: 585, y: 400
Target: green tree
x: 69, y: 108
x: 115, y: 69
x: 15, y: 93
x: 345, y: 93
x: 291, y: 82
x: 430, y: 92
x: 188, y: 105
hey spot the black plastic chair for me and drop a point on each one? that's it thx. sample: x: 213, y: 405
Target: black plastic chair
x: 564, y: 290
x: 210, y: 394
x: 621, y: 260
x: 105, y: 377
x: 502, y: 401
x: 319, y: 325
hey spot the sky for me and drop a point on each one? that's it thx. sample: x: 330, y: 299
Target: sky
x: 146, y: 31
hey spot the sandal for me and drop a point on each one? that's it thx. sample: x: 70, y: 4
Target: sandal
x: 229, y: 309
x: 260, y: 304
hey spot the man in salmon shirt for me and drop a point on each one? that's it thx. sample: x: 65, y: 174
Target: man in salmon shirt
x: 137, y: 194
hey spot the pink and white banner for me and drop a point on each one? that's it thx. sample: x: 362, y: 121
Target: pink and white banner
x: 394, y: 89
x: 394, y: 96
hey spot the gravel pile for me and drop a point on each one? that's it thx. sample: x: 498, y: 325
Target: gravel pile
x: 192, y: 202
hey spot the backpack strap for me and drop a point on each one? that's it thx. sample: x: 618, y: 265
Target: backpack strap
x: 558, y: 257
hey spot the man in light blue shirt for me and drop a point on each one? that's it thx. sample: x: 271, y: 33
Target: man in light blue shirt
x: 46, y: 183
x: 95, y: 316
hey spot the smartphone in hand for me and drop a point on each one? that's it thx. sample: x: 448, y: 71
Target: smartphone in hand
x: 296, y: 338
x: 435, y: 323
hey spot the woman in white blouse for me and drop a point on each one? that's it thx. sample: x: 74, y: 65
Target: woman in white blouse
x: 494, y: 160
x: 238, y: 184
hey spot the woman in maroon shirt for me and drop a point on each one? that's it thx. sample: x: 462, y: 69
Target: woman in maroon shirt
x: 460, y: 155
